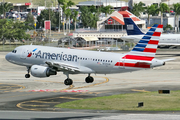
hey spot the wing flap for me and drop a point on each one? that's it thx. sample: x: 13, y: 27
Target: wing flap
x: 67, y: 67
x: 62, y: 67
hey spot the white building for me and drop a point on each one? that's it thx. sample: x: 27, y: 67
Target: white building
x: 114, y: 3
x: 149, y: 2
x: 115, y: 21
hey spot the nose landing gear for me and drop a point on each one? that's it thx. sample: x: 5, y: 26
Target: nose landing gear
x: 28, y: 75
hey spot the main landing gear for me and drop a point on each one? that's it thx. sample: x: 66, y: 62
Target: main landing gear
x: 69, y: 81
x: 28, y: 75
x: 89, y: 79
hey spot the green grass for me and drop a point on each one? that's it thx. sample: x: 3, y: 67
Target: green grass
x: 152, y: 102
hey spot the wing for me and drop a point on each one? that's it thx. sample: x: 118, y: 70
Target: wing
x: 58, y: 66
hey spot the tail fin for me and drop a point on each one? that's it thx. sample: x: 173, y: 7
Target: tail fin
x: 147, y: 46
x: 131, y: 27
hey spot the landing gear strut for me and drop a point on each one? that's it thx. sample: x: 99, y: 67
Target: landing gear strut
x: 89, y: 79
x: 28, y: 75
x: 67, y: 81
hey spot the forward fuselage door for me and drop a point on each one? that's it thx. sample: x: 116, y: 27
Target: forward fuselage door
x: 24, y: 53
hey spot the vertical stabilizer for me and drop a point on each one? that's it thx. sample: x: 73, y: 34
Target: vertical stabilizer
x: 146, y: 48
x: 131, y: 27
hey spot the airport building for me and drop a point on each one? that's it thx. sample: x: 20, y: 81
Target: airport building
x: 111, y: 27
x: 98, y: 3
x: 115, y: 22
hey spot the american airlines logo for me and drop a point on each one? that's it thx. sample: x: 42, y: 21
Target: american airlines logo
x: 30, y: 54
x: 130, y: 27
x: 55, y: 56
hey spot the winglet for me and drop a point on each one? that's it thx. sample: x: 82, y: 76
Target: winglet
x: 131, y: 27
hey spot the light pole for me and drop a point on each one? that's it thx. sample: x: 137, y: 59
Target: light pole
x: 31, y: 6
x: 52, y: 5
x: 45, y: 3
x: 59, y: 16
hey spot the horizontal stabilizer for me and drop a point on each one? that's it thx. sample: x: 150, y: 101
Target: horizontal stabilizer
x: 170, y: 59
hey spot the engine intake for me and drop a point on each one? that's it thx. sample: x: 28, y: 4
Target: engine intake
x: 42, y: 71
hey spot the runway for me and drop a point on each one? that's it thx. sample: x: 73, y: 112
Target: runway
x: 19, y: 94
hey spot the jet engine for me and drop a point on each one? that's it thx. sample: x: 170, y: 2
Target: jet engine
x: 42, y: 71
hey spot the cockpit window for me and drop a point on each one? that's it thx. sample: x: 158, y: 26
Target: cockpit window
x: 14, y: 51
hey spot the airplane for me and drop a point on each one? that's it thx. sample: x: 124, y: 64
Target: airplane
x: 43, y: 61
x: 135, y: 34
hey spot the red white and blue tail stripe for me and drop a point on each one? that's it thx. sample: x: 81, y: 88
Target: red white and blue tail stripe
x: 147, y: 46
x: 143, y: 53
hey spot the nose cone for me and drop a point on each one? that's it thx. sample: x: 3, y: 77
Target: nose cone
x: 7, y: 57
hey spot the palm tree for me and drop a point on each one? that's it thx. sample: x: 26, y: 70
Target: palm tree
x: 7, y: 7
x: 69, y: 4
x: 150, y: 10
x: 176, y: 8
x: 74, y: 17
x: 138, y: 8
x: 68, y: 14
x: 163, y: 7
x: 60, y: 2
x: 107, y: 10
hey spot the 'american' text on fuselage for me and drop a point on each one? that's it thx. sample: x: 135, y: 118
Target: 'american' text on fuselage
x: 55, y: 56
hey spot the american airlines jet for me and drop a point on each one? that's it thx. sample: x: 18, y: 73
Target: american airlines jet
x: 43, y: 61
x: 135, y: 34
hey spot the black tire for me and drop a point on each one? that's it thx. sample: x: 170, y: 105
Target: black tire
x: 27, y: 76
x: 91, y: 79
x: 68, y: 82
x: 87, y: 79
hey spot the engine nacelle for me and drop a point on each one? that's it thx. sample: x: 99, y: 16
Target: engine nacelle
x: 42, y: 71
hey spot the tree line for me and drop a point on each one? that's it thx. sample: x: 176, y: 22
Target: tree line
x: 156, y: 9
x: 89, y: 16
x: 13, y: 30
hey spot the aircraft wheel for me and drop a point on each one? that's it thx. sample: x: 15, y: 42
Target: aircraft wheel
x: 27, y: 76
x: 68, y: 82
x: 89, y: 79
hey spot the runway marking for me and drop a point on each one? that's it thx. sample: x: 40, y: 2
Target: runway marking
x: 19, y: 105
x: 22, y: 105
x: 139, y: 90
x: 71, y: 87
x: 35, y: 105
x: 38, y: 101
x: 49, y: 81
x: 107, y: 80
x: 10, y: 86
x: 71, y: 98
